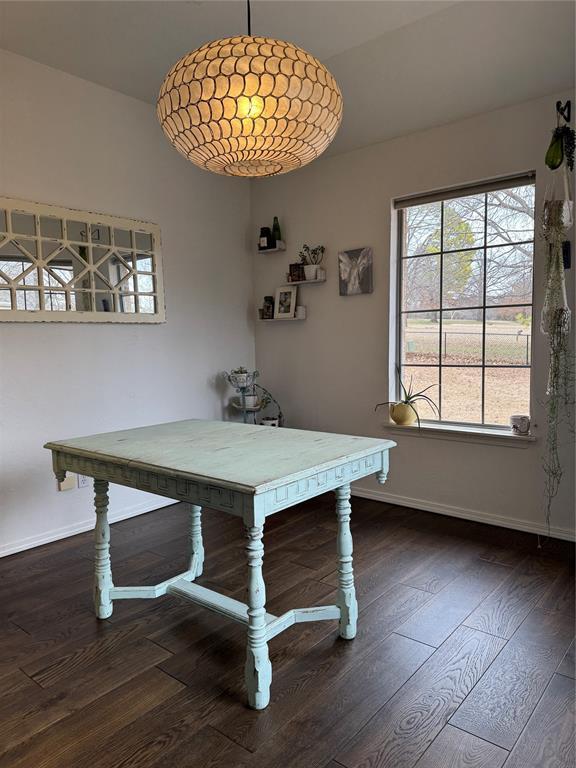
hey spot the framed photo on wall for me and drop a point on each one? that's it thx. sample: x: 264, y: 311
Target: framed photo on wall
x: 296, y: 272
x: 285, y: 305
x: 355, y: 271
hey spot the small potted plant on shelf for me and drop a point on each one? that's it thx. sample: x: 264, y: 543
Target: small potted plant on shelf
x: 311, y: 258
x: 403, y: 411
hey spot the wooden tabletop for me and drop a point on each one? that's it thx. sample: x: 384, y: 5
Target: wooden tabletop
x: 240, y: 456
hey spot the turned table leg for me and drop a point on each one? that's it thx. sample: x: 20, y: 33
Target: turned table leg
x: 258, y: 667
x: 196, y: 545
x: 346, y: 596
x: 102, y: 567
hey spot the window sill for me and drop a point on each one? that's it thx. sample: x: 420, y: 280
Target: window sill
x: 465, y: 434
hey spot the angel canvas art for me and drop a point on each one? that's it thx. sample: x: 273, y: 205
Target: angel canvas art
x: 355, y: 270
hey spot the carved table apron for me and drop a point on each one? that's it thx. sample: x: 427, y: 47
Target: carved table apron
x: 248, y: 471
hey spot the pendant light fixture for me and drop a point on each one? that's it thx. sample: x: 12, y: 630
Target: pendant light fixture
x: 249, y: 106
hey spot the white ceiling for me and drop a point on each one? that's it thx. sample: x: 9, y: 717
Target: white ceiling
x: 129, y: 46
x: 470, y: 58
x: 402, y: 66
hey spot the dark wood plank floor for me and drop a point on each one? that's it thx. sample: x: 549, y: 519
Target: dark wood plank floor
x: 464, y: 656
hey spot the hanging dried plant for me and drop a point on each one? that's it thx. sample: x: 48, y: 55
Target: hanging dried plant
x: 556, y: 322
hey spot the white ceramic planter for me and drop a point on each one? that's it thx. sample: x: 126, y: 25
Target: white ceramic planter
x: 310, y: 271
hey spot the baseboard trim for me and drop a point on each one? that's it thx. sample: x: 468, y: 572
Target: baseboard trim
x: 366, y: 493
x: 85, y: 525
x: 467, y: 514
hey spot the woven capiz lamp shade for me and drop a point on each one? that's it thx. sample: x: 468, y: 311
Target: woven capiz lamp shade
x: 250, y: 106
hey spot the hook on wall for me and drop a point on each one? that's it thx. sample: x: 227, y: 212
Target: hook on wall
x: 564, y: 110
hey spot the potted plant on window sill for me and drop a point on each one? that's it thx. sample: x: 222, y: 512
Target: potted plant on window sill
x: 403, y: 411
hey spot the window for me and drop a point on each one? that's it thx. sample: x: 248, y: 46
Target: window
x: 465, y: 320
x: 64, y: 264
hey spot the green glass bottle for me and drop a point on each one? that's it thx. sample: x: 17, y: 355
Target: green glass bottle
x: 276, y: 233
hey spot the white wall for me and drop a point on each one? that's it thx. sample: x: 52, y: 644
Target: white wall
x: 330, y: 370
x: 72, y: 143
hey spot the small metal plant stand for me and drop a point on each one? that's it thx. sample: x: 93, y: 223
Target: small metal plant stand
x: 244, y: 382
x: 267, y: 399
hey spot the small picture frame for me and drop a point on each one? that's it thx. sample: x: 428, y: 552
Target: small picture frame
x: 285, y: 305
x: 296, y: 272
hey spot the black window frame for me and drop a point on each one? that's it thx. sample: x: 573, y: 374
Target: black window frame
x: 443, y: 196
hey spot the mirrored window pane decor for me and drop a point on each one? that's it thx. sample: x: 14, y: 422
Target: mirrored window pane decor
x: 465, y: 325
x: 60, y: 264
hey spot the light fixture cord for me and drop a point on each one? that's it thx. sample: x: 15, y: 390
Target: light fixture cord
x: 249, y: 18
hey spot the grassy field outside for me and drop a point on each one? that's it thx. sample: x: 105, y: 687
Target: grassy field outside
x: 507, y: 390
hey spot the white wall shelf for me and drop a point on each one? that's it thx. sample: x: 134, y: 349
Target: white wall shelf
x: 279, y: 319
x: 307, y: 282
x: 280, y: 246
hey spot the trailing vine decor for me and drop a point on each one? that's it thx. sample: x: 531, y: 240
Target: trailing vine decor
x: 557, y: 218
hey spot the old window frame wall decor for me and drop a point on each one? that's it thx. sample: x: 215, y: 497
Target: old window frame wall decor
x: 66, y: 265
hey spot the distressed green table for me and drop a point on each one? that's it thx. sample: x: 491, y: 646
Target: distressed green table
x: 248, y: 471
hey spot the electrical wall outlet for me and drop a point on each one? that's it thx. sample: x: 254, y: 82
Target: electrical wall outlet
x: 84, y: 481
x: 69, y: 482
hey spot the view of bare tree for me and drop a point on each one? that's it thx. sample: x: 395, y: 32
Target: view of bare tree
x: 467, y: 294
